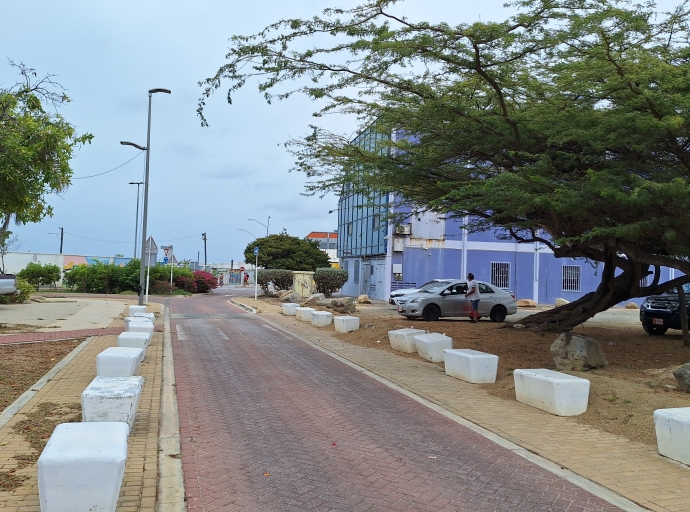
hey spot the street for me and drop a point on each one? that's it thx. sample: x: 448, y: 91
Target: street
x: 267, y: 422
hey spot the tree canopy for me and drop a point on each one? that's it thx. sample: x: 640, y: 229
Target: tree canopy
x: 36, y: 146
x: 286, y: 252
x: 567, y: 124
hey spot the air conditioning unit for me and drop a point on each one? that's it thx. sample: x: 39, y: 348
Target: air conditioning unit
x: 403, y: 229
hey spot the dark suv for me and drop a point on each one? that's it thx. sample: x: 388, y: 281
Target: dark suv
x: 659, y: 313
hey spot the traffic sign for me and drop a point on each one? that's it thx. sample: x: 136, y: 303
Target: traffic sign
x: 165, y: 260
x: 241, y: 269
x: 256, y: 251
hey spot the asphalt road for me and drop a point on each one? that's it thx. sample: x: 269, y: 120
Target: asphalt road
x: 269, y: 423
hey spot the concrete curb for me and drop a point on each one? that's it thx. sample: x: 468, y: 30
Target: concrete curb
x: 24, y: 398
x: 580, y: 481
x: 243, y: 306
x: 171, y: 492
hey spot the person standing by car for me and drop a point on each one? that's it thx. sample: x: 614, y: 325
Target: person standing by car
x: 473, y: 295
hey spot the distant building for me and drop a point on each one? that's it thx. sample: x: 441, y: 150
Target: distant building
x: 328, y: 243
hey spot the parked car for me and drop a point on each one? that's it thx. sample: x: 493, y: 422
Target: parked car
x: 8, y: 284
x: 406, y: 291
x: 447, y: 299
x: 659, y: 313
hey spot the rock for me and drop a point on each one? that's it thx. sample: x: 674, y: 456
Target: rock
x: 574, y: 352
x: 518, y: 326
x: 631, y: 305
x: 344, y: 305
x: 668, y: 387
x: 283, y: 293
x: 561, y: 302
x: 526, y: 303
x: 369, y: 326
x: 290, y: 297
x: 682, y: 376
x: 363, y: 299
x: 314, y: 298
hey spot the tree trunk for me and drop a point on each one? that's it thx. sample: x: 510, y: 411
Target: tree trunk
x: 683, y: 316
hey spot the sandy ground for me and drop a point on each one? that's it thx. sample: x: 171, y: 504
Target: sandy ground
x: 623, y: 395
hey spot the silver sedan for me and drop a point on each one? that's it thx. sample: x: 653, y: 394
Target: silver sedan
x: 447, y: 299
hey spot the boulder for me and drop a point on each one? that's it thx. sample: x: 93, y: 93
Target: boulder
x: 344, y: 305
x: 561, y: 302
x: 290, y: 297
x: 631, y: 305
x: 315, y: 297
x: 283, y: 293
x: 526, y: 303
x: 363, y: 299
x: 682, y: 376
x: 574, y: 352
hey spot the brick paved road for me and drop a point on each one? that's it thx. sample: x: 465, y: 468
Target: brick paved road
x: 270, y: 423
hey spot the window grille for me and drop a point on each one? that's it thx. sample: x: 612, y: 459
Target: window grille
x: 571, y: 278
x: 500, y: 274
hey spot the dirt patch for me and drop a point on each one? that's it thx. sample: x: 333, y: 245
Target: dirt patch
x: 623, y: 395
x: 17, y: 328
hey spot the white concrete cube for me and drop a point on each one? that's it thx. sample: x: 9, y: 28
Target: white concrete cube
x: 673, y: 433
x: 112, y: 399
x: 403, y: 339
x: 321, y: 318
x: 139, y: 325
x: 149, y: 316
x: 346, y: 323
x: 431, y: 346
x: 136, y: 309
x: 81, y: 467
x: 554, y: 392
x: 304, y: 314
x: 289, y: 308
x: 135, y: 340
x: 119, y: 362
x: 471, y: 365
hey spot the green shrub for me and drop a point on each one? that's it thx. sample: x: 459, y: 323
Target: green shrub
x: 37, y: 274
x: 281, y: 279
x: 25, y: 290
x: 329, y: 280
x: 161, y: 288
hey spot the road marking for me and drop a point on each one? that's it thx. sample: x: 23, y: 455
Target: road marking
x: 181, y: 336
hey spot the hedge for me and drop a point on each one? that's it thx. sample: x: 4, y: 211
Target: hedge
x: 329, y: 280
x: 281, y: 279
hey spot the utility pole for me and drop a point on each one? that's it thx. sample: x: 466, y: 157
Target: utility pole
x: 62, y: 236
x: 203, y: 236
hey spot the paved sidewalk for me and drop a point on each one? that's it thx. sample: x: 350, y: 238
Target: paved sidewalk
x: 633, y: 470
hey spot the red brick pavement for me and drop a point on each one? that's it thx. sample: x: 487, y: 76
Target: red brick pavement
x: 270, y: 423
x: 6, y: 339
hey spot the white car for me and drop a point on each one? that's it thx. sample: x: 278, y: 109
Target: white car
x: 406, y: 291
x: 8, y: 284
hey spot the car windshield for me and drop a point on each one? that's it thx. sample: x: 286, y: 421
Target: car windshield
x: 435, y: 287
x: 428, y: 283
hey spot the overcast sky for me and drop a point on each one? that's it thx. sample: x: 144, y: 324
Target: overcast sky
x: 108, y: 54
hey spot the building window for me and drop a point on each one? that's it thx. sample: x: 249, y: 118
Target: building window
x: 356, y: 271
x: 500, y: 274
x: 571, y: 278
x: 349, y: 229
x: 645, y: 281
x: 376, y: 222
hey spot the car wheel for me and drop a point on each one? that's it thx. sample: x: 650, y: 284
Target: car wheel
x: 653, y: 330
x: 431, y: 313
x: 498, y: 313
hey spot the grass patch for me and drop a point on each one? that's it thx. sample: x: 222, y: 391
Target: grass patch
x: 128, y: 292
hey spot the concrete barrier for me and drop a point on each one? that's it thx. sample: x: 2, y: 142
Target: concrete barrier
x: 149, y: 316
x: 135, y: 340
x: 289, y: 308
x: 139, y: 325
x: 554, y: 392
x: 304, y: 314
x: 471, y: 365
x: 431, y: 346
x: 82, y: 466
x: 673, y: 433
x: 321, y: 318
x: 136, y: 309
x: 346, y: 323
x: 112, y: 399
x: 403, y: 339
x: 119, y: 362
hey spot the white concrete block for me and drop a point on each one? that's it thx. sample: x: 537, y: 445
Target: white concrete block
x: 112, y: 399
x: 554, y: 392
x: 431, y: 346
x: 139, y: 325
x: 304, y: 314
x: 403, y: 339
x: 346, y: 323
x: 119, y: 362
x: 471, y: 365
x: 135, y: 340
x: 321, y: 318
x: 289, y: 308
x: 673, y: 433
x: 149, y: 316
x: 81, y: 467
x: 136, y: 309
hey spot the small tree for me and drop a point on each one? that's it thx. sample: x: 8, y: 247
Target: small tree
x: 37, y: 274
x: 330, y: 280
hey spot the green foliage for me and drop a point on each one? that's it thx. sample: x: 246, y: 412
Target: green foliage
x: 281, y: 279
x: 204, y: 281
x: 38, y: 274
x: 330, y: 280
x: 283, y: 251
x: 25, y: 290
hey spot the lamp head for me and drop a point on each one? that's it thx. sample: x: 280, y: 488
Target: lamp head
x: 125, y: 143
x: 166, y: 91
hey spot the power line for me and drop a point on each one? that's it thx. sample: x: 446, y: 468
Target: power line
x: 111, y: 170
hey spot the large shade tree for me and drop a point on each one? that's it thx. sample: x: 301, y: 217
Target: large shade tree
x: 283, y: 251
x: 567, y: 124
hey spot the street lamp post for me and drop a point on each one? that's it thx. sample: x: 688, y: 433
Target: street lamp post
x: 142, y: 270
x: 268, y: 222
x: 238, y: 229
x: 136, y: 220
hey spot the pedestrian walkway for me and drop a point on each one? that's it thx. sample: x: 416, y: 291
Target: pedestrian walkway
x: 28, y: 337
x: 633, y: 470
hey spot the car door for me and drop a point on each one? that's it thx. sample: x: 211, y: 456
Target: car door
x: 488, y: 299
x: 454, y: 302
